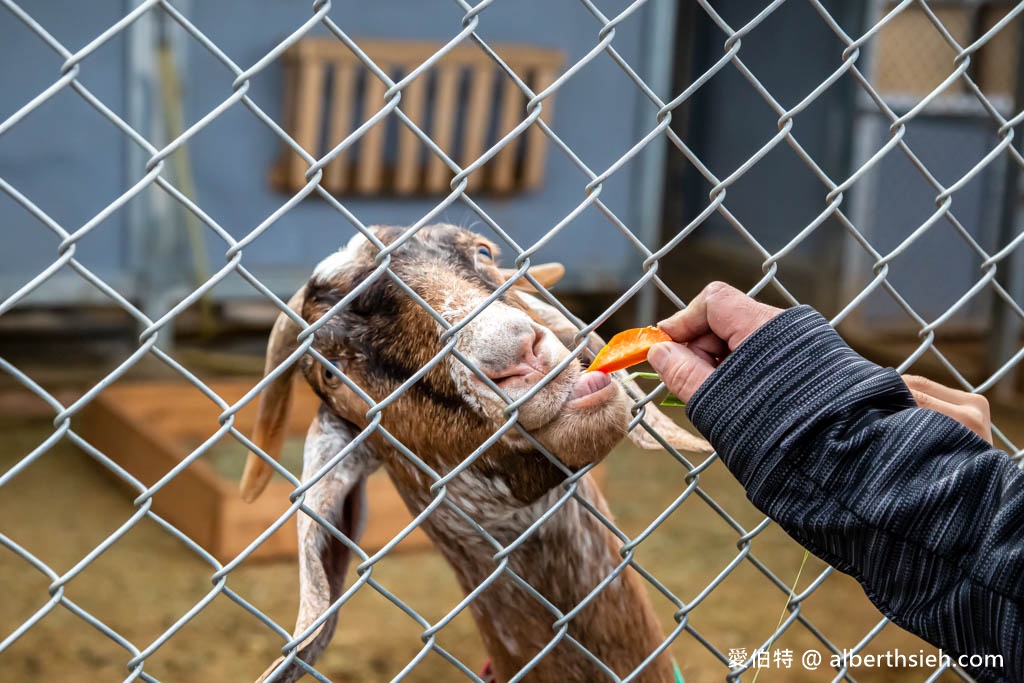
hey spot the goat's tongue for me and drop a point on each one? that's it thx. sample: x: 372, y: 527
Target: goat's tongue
x: 588, y: 383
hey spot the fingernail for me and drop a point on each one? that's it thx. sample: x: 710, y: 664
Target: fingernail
x: 660, y: 356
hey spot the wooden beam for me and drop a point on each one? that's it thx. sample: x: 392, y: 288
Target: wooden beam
x: 408, y: 166
x: 443, y: 128
x: 479, y: 112
x: 369, y: 172
x: 503, y: 176
x: 341, y: 115
x: 536, y: 139
x: 308, y: 108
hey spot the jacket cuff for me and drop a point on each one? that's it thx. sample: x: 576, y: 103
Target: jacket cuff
x: 782, y: 384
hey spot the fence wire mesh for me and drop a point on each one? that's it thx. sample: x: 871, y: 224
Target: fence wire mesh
x: 960, y: 73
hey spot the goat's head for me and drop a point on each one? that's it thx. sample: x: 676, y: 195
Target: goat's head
x: 383, y: 338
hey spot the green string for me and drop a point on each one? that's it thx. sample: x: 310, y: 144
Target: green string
x: 792, y: 594
x: 670, y: 398
x: 673, y: 400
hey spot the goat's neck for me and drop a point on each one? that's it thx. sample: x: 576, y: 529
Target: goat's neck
x: 563, y: 560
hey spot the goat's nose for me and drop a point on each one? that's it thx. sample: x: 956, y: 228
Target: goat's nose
x: 530, y: 346
x: 524, y: 355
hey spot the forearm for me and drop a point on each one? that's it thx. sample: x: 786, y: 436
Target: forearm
x: 927, y: 516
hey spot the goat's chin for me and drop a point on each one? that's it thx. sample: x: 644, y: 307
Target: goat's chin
x: 587, y: 428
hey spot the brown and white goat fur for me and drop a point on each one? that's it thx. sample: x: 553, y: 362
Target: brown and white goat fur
x: 379, y: 340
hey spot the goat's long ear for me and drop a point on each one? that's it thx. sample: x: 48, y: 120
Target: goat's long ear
x: 339, y: 498
x: 672, y: 433
x: 275, y: 402
x: 547, y: 274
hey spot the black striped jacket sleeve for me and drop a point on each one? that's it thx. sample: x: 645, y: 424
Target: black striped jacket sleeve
x: 926, y: 515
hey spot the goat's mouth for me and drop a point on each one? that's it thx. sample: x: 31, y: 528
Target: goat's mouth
x: 590, y: 389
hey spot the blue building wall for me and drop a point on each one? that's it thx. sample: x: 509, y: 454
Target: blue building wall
x: 64, y: 156
x: 71, y: 161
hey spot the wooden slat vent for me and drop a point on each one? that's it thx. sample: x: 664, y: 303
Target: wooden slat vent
x: 465, y: 103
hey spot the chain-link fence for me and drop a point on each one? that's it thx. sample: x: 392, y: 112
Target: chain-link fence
x: 896, y: 86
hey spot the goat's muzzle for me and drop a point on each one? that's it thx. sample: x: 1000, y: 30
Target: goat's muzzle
x: 592, y: 388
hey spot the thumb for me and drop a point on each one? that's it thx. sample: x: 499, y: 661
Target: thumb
x: 682, y: 370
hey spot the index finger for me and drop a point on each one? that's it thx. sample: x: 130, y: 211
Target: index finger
x: 690, y: 323
x: 941, y: 391
x: 722, y: 311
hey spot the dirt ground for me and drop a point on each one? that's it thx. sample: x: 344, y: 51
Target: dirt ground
x: 62, y: 505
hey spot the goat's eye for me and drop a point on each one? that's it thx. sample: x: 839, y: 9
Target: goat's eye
x: 332, y: 376
x: 484, y: 251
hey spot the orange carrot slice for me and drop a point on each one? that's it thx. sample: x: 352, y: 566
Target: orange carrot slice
x: 627, y: 349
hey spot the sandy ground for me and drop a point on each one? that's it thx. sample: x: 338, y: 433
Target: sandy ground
x: 62, y: 505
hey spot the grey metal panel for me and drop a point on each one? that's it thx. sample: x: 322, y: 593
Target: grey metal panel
x: 940, y: 266
x: 790, y: 53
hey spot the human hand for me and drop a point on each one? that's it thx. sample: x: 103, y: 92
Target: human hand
x: 704, y: 333
x: 970, y: 410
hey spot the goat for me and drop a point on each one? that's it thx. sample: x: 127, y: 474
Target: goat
x: 379, y: 340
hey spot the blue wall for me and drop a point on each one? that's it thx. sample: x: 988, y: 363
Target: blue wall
x: 64, y: 157
x: 940, y: 266
x: 71, y: 161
